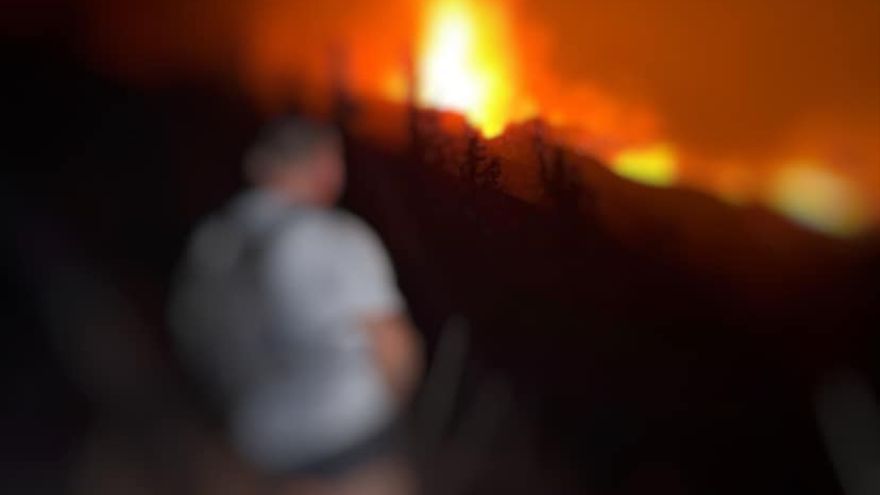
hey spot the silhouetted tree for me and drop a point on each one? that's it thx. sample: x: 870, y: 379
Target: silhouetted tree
x: 414, y: 116
x: 478, y: 167
x: 490, y: 176
x: 539, y: 142
x: 344, y: 106
x: 561, y: 182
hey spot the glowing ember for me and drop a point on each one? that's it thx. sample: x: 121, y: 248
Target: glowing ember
x: 463, y: 65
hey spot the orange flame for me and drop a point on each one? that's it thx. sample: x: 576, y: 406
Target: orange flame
x: 467, y: 61
x: 463, y: 65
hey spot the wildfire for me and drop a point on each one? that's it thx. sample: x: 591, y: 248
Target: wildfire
x: 464, y: 64
x: 467, y: 62
x: 738, y: 102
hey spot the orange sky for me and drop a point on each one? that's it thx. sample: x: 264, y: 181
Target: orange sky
x: 726, y: 76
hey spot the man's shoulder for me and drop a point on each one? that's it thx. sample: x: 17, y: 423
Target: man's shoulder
x: 326, y: 223
x: 320, y: 236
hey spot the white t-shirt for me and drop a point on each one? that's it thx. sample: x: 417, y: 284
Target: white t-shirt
x: 267, y: 311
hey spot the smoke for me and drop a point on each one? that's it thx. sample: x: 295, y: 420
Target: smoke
x: 727, y: 77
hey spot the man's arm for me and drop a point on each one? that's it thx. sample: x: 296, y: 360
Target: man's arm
x: 344, y: 249
x: 398, y: 352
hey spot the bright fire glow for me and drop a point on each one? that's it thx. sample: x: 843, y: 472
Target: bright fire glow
x: 655, y: 166
x: 817, y: 198
x: 465, y: 64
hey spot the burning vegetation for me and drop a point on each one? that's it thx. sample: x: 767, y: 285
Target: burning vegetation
x: 467, y: 64
x: 754, y: 104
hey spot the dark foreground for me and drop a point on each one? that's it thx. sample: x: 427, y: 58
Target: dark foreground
x: 673, y: 359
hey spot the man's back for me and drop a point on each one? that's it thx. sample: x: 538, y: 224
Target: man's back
x: 266, y: 315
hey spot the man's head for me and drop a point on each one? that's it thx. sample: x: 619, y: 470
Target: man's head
x: 300, y: 160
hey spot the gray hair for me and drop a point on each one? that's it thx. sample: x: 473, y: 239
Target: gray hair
x: 285, y: 142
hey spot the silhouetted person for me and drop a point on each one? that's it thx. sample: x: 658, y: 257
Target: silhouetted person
x: 287, y: 315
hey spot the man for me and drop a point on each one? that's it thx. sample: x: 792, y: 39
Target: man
x: 287, y: 315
